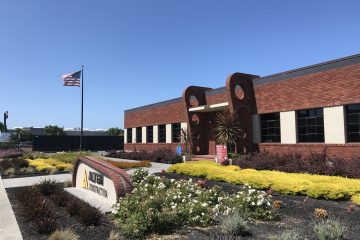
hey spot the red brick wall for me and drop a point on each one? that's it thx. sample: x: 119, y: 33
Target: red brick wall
x: 343, y: 151
x: 171, y: 113
x: 149, y: 147
x: 216, y: 98
x: 330, y: 88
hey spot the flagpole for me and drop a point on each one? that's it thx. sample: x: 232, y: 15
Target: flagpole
x: 82, y: 106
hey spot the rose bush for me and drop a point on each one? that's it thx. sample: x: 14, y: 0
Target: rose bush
x: 161, y: 205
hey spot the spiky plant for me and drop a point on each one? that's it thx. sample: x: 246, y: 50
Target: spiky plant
x: 228, y: 129
x: 186, y: 139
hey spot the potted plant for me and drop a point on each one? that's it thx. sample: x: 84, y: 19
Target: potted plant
x: 187, y: 140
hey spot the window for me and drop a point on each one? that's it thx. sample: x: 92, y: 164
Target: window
x: 353, y: 122
x: 162, y: 133
x: 270, y: 127
x: 138, y: 135
x: 176, y: 132
x: 149, y: 134
x: 129, y: 135
x: 310, y: 125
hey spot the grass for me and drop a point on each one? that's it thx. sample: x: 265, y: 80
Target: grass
x: 316, y: 186
x: 127, y: 165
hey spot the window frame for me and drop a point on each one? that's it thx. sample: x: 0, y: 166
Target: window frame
x: 353, y: 122
x: 273, y: 137
x: 129, y: 135
x: 161, y: 139
x: 176, y: 139
x: 148, y: 135
x: 312, y: 123
x: 138, y: 139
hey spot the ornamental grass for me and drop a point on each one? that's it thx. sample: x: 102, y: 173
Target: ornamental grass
x: 316, y: 186
x: 127, y: 165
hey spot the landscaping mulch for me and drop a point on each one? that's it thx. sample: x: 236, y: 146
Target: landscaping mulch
x: 296, y: 213
x: 64, y: 219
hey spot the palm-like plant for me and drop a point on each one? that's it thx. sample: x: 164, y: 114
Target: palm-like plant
x: 186, y: 139
x: 228, y: 129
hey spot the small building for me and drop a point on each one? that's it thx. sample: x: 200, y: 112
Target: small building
x: 302, y: 110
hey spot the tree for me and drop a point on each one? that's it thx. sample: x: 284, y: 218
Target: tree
x: 228, y: 130
x: 21, y: 135
x: 115, y: 131
x: 1, y: 127
x: 53, y: 130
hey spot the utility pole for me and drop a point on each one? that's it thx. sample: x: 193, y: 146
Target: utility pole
x: 6, y: 116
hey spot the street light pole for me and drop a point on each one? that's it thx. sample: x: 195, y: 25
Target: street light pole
x: 6, y: 115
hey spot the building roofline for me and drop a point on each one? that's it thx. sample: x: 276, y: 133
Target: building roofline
x: 158, y: 104
x: 311, y: 69
x: 315, y: 68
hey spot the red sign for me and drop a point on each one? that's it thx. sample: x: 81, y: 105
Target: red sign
x: 221, y: 153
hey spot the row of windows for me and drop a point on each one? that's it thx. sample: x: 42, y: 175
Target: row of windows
x: 310, y: 125
x: 175, y: 130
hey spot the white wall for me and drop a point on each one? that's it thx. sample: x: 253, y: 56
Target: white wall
x: 133, y: 135
x: 334, y: 124
x: 168, y: 133
x: 184, y: 126
x: 256, y: 128
x: 143, y: 136
x: 288, y: 127
x: 156, y: 134
x: 125, y: 135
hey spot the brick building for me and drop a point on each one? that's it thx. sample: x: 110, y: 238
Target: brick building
x: 302, y: 110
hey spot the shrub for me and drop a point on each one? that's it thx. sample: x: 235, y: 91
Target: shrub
x: 45, y: 224
x: 73, y: 205
x: 330, y: 230
x: 114, y: 235
x: 20, y: 163
x: 288, y: 235
x: 9, y: 171
x: 48, y: 187
x: 66, y: 234
x: 316, y: 186
x: 11, y: 153
x: 64, y: 167
x: 161, y: 155
x: 127, y: 165
x: 34, y: 155
x: 320, y: 213
x: 234, y: 225
x: 60, y: 199
x: 69, y: 157
x: 314, y: 163
x: 89, y: 215
x: 161, y: 205
x: 6, y: 164
x: 356, y: 199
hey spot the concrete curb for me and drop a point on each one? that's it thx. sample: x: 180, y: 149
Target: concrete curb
x: 9, y: 229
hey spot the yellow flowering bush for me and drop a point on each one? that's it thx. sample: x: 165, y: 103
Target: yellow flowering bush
x: 356, y: 199
x: 49, y: 165
x: 316, y: 186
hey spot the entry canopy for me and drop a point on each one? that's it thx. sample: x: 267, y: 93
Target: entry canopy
x: 210, y: 108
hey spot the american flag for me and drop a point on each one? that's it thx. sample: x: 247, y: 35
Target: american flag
x: 72, y: 79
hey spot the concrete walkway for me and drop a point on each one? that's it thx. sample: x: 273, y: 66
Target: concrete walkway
x: 27, y: 181
x: 9, y: 229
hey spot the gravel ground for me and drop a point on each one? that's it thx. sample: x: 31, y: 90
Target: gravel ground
x: 296, y: 213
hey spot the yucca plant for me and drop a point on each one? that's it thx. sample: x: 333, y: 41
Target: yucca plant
x: 186, y: 139
x: 228, y: 129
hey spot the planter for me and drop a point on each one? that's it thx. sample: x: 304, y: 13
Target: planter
x: 187, y: 157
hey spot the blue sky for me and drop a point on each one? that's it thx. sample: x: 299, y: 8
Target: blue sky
x: 140, y: 52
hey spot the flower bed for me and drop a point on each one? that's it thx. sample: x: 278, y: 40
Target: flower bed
x: 314, y: 163
x: 127, y: 165
x: 161, y: 205
x: 161, y: 155
x: 49, y: 165
x: 316, y: 186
